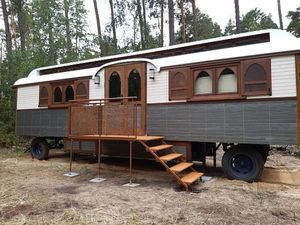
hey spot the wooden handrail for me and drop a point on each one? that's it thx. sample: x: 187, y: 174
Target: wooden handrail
x: 102, y: 99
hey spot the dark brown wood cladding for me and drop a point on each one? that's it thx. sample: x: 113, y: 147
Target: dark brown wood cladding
x: 45, y: 95
x: 179, y: 84
x: 81, y: 88
x: 256, y: 77
x: 55, y: 94
x: 258, y: 84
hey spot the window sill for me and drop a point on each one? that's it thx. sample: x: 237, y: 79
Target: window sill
x: 219, y: 97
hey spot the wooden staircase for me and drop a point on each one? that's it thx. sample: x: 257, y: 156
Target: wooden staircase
x: 165, y: 154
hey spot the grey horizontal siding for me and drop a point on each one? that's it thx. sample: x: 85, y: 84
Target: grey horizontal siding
x: 42, y: 123
x: 261, y: 122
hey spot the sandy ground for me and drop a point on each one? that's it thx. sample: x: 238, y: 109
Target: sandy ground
x: 36, y: 192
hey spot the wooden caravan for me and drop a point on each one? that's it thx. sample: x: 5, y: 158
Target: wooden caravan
x: 239, y: 92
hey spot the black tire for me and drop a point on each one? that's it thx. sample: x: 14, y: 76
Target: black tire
x: 39, y: 149
x: 243, y: 164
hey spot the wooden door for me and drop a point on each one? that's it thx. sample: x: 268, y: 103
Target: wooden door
x: 129, y: 80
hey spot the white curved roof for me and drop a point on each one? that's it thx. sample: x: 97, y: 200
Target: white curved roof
x: 280, y: 41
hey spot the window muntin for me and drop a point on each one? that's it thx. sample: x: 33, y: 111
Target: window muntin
x: 114, y: 85
x: 134, y: 84
x: 227, y: 82
x: 203, y: 84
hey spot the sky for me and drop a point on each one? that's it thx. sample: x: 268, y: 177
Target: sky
x: 219, y: 10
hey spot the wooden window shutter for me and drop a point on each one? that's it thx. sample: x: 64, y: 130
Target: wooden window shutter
x: 81, y: 89
x: 256, y: 77
x: 178, y: 84
x: 44, y: 95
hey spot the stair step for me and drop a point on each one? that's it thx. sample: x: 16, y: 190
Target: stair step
x: 170, y: 157
x: 149, y: 138
x: 191, y: 177
x: 181, y: 166
x: 160, y: 147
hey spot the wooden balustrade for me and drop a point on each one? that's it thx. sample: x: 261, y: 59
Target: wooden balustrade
x: 109, y: 116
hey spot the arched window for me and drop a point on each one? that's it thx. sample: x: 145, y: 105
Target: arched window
x: 44, y: 95
x: 114, y: 85
x: 69, y: 93
x: 178, y: 81
x: 203, y: 84
x: 227, y: 82
x: 257, y: 77
x: 57, y: 95
x: 134, y: 84
x: 44, y: 92
x: 257, y: 74
x: 80, y: 90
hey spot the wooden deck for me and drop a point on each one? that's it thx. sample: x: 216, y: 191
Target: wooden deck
x: 115, y: 137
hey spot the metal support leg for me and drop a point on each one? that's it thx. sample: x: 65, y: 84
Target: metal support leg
x: 130, y: 162
x: 70, y: 173
x: 99, y: 155
x: 215, y: 157
x: 98, y: 179
x: 130, y: 184
x: 71, y: 156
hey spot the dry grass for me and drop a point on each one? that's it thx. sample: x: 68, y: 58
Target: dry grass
x: 36, y: 192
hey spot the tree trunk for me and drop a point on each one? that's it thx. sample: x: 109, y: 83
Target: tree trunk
x: 237, y: 16
x: 171, y: 22
x: 7, y: 28
x: 98, y: 27
x: 21, y: 22
x: 162, y: 5
x: 195, y: 35
x: 67, y: 24
x: 141, y: 21
x: 52, y: 53
x: 183, y: 30
x: 113, y: 24
x: 280, y: 14
x: 145, y: 32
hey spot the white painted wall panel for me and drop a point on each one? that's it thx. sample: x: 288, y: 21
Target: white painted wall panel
x: 96, y: 90
x: 283, y: 76
x: 157, y: 89
x: 28, y: 97
x: 283, y: 72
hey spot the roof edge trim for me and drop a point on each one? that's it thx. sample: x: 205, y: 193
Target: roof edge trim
x: 128, y: 61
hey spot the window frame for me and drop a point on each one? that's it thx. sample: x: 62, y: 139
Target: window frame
x: 186, y: 73
x: 266, y: 64
x: 63, y: 85
x: 235, y: 69
x: 211, y: 73
x: 87, y: 88
x: 48, y: 87
x: 216, y: 70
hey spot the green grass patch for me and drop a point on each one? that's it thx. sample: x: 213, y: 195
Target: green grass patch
x: 12, y: 152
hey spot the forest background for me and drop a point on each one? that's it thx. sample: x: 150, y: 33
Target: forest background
x: 39, y: 33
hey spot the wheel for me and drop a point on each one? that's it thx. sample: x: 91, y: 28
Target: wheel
x: 39, y: 148
x: 243, y: 164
